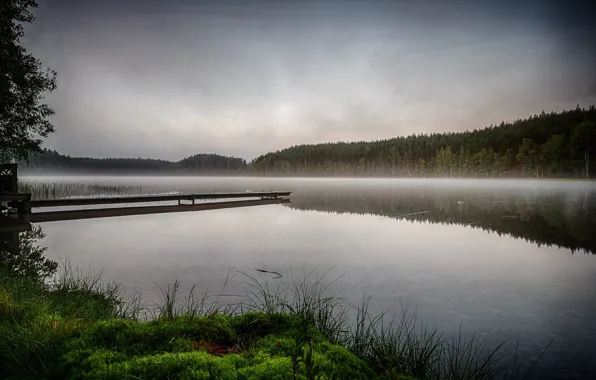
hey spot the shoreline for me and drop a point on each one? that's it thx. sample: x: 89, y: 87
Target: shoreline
x: 81, y: 326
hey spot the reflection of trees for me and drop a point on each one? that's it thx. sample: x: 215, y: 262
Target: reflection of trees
x: 553, y: 217
x: 21, y: 254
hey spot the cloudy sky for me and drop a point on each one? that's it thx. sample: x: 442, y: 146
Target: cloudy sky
x: 168, y: 79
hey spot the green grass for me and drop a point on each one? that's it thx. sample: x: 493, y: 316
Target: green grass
x: 75, y: 325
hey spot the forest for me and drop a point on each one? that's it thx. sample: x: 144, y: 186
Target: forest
x: 550, y: 145
x: 545, y: 145
x: 51, y: 160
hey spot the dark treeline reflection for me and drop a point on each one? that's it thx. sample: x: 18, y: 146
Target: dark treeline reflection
x: 21, y: 253
x: 541, y: 213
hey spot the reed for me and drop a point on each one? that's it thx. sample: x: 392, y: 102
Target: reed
x: 291, y: 327
x: 60, y: 190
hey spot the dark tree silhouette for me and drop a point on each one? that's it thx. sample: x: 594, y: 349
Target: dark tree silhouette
x: 23, y: 83
x: 21, y: 254
x: 199, y: 163
x: 546, y: 145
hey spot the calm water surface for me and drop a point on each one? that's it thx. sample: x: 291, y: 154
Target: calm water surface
x: 510, y: 259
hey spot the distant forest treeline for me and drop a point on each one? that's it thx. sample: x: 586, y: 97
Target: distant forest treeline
x: 199, y: 163
x: 546, y: 145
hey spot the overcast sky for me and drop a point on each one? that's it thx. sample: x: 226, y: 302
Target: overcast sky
x: 167, y: 79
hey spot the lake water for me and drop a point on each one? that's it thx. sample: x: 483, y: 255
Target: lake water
x: 510, y: 259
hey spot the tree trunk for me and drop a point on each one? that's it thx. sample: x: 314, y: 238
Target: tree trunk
x: 587, y: 162
x: 585, y: 204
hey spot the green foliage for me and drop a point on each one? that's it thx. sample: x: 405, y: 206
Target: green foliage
x: 35, y: 320
x: 555, y: 152
x: 23, y: 83
x: 73, y: 327
x: 86, y: 295
x: 189, y: 365
x: 555, y: 144
x: 528, y: 157
x: 131, y: 337
x: 277, y: 368
x: 167, y: 347
x: 328, y: 360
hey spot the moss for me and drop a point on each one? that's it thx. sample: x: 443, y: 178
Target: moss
x: 137, y: 338
x: 276, y: 345
x: 272, y: 368
x: 181, y: 345
x: 168, y: 365
x: 341, y: 362
x: 74, y: 333
x: 167, y: 348
x: 333, y: 362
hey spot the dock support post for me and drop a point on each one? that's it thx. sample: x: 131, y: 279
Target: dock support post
x: 24, y: 206
x: 9, y: 182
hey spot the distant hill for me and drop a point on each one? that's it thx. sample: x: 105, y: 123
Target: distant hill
x: 553, y: 144
x: 546, y: 145
x: 52, y: 161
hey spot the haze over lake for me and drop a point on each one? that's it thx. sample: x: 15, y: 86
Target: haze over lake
x: 510, y: 259
x: 413, y: 184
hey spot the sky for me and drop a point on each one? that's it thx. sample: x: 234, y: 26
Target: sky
x: 168, y: 79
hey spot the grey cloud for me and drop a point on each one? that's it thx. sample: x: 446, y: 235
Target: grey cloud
x: 243, y: 78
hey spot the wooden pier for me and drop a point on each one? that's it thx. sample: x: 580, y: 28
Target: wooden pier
x: 24, y: 204
x: 155, y: 198
x: 20, y: 202
x: 92, y: 213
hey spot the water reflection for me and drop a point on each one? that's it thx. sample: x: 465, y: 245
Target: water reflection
x: 560, y: 213
x: 20, y: 251
x: 500, y: 287
x: 561, y: 217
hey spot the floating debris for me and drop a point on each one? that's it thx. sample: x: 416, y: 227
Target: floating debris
x: 278, y: 275
x: 414, y: 213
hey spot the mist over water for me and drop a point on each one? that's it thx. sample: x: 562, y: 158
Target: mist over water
x: 382, y: 88
x: 508, y: 259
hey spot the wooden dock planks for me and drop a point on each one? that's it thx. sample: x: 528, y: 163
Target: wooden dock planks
x: 54, y: 216
x: 155, y: 198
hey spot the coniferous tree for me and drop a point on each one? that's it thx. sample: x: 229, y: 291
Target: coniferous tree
x: 548, y: 144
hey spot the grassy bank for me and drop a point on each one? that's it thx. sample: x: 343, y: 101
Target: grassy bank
x: 76, y: 326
